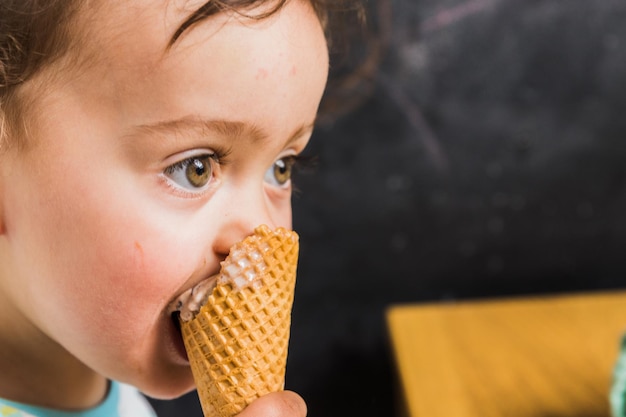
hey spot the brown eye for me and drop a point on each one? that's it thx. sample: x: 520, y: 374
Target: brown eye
x: 192, y: 173
x: 198, y: 171
x: 279, y: 173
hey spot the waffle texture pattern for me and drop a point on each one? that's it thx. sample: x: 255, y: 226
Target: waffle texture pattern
x: 237, y: 344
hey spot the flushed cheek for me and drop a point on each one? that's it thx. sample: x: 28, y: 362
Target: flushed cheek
x: 115, y: 315
x: 116, y: 280
x: 105, y: 250
x: 110, y: 265
x: 136, y: 267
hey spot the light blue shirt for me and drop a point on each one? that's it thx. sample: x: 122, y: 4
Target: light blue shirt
x: 618, y: 390
x: 122, y: 401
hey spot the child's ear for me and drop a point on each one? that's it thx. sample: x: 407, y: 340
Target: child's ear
x: 3, y: 142
x: 4, y: 168
x: 2, y: 227
x: 2, y: 179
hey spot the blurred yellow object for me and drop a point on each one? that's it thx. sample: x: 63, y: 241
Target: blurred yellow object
x: 518, y: 357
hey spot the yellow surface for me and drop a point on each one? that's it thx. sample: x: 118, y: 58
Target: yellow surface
x: 540, y: 357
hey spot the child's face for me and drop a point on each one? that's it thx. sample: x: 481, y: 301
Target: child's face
x: 144, y: 166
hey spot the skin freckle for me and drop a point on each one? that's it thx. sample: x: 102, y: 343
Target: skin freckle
x: 261, y: 74
x: 139, y: 253
x: 139, y: 247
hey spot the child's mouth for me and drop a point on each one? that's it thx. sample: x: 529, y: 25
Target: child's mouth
x: 189, y: 302
x: 176, y: 319
x: 177, y: 335
x: 185, y: 306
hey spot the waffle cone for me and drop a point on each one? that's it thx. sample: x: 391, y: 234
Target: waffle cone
x: 237, y: 343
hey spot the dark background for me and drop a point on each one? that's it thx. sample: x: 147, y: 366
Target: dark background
x: 477, y: 150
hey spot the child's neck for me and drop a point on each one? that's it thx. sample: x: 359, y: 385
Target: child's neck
x: 38, y: 371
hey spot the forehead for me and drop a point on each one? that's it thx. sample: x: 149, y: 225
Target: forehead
x: 127, y: 55
x: 132, y: 29
x: 129, y: 23
x: 120, y: 20
x: 124, y: 32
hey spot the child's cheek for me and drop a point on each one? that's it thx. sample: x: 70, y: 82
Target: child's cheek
x: 129, y: 291
x: 141, y: 273
x: 116, y: 266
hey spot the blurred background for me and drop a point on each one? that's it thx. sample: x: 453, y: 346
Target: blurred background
x: 467, y: 149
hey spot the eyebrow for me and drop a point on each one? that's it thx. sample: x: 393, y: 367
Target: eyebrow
x: 224, y: 128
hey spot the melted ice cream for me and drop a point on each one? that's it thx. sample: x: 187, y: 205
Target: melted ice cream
x: 244, y: 266
x: 188, y: 303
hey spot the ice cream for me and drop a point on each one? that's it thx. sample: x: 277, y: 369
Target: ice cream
x: 236, y: 325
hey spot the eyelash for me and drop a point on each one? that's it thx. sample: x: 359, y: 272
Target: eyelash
x: 184, y: 162
x: 300, y: 162
x: 215, y: 158
x: 218, y: 157
x: 303, y: 162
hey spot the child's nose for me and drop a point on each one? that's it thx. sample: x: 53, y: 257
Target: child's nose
x: 241, y: 216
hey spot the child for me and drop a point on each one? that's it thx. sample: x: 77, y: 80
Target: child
x: 139, y: 140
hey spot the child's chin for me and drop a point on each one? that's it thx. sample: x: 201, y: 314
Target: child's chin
x: 169, y: 391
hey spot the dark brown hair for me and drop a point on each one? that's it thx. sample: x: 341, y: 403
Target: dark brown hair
x: 35, y: 33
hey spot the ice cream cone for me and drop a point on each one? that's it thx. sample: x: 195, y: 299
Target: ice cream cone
x: 237, y: 343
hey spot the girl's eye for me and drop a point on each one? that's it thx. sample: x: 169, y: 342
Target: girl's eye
x: 279, y: 174
x: 193, y: 173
